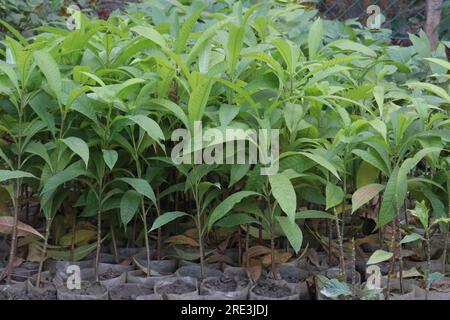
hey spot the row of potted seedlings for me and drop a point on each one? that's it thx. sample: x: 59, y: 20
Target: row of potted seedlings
x: 173, y: 279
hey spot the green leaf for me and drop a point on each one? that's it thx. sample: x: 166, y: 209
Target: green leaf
x: 313, y: 214
x: 378, y: 93
x: 128, y: 205
x: 440, y: 62
x: 16, y: 174
x: 204, y: 38
x: 348, y: 45
x: 166, y: 218
x: 430, y: 87
x: 333, y: 288
x: 379, y: 256
x: 11, y: 74
x: 315, y: 37
x: 186, y: 29
x: 236, y: 219
x: 234, y: 46
x: 68, y: 174
x: 411, y: 238
x: 237, y: 172
x: 366, y: 174
x: 283, y: 191
x: 334, y: 195
x: 292, y: 231
x: 174, y: 108
x: 49, y: 68
x: 149, y: 126
x: 322, y: 162
x: 150, y: 34
x: 388, y: 209
x: 226, y: 205
x: 141, y: 186
x: 407, y: 166
x: 199, y: 98
x: 110, y: 157
x: 79, y: 147
x: 365, y: 194
x: 39, y: 149
x: 422, y: 213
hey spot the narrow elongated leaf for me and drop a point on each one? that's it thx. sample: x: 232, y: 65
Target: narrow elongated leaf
x: 292, y: 231
x: 16, y: 174
x: 186, y: 29
x: 315, y: 37
x: 388, y: 209
x: 70, y: 173
x: 313, y: 214
x: 365, y: 194
x: 199, y: 98
x: 151, y: 34
x: 225, y: 206
x: 236, y: 219
x: 204, y: 38
x: 174, y: 108
x: 322, y: 162
x: 283, y: 191
x: 431, y: 88
x: 79, y: 147
x: 234, y: 46
x: 128, y: 205
x: 167, y: 217
x: 49, y: 68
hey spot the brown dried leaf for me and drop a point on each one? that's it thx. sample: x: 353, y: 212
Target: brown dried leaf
x: 182, y: 240
x: 220, y: 258
x: 6, y: 226
x: 279, y: 258
x: 258, y: 251
x: 254, y: 270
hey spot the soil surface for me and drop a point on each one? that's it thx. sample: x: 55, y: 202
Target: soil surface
x: 109, y: 274
x: 177, y: 287
x: 87, y: 288
x: 223, y: 284
x: 271, y: 289
x: 293, y: 274
x: 130, y: 291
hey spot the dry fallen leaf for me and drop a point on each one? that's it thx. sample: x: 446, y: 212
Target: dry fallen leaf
x: 279, y: 258
x: 6, y: 226
x: 182, y: 239
x: 254, y: 270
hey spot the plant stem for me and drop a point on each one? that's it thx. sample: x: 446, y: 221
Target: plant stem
x: 427, y: 237
x: 200, y: 243
x: 44, y: 253
x: 392, y: 263
x: 114, y: 242
x: 147, y: 244
x: 247, y: 239
x: 12, y: 252
x: 341, y: 246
